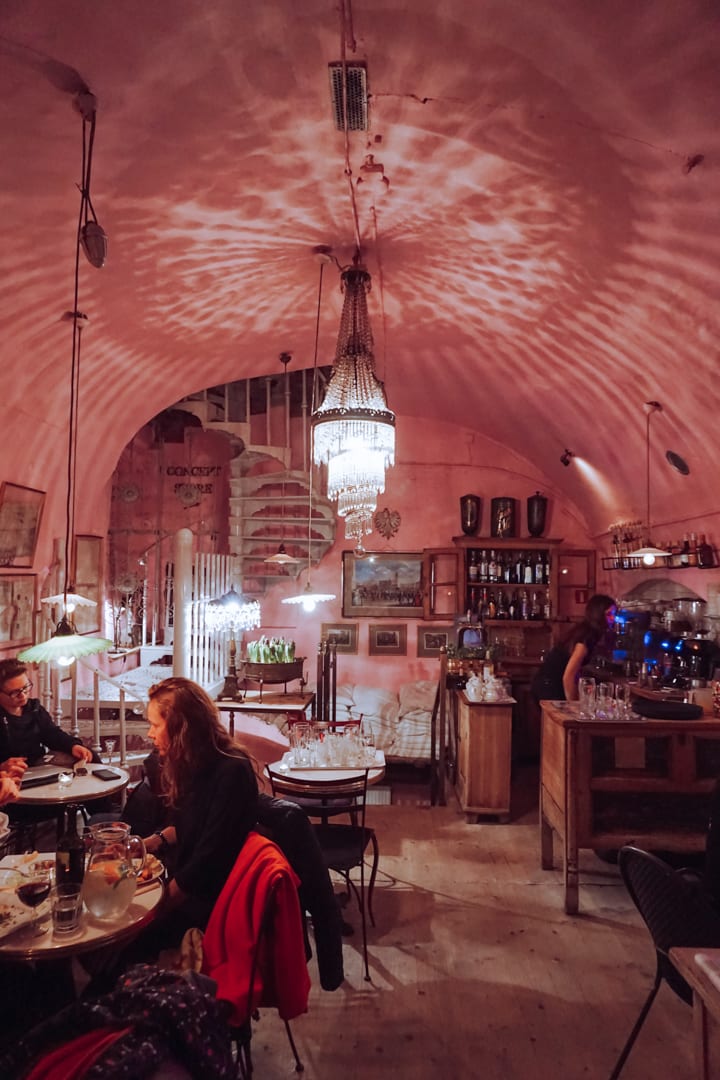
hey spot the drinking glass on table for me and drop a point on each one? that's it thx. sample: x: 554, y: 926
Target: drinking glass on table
x: 586, y: 696
x: 33, y: 889
x: 604, y: 701
x: 622, y: 701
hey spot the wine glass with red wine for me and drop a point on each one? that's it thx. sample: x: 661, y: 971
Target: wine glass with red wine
x: 31, y: 892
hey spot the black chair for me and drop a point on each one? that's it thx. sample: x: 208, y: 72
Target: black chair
x: 287, y: 824
x: 677, y: 913
x: 343, y: 846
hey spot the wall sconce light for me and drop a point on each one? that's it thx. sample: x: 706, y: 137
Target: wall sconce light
x: 566, y: 456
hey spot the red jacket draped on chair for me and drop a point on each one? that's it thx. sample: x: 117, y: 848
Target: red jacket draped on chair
x: 281, y: 979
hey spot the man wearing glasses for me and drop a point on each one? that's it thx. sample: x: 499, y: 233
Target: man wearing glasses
x: 27, y: 730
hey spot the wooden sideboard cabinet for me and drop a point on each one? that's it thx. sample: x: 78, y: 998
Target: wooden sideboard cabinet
x: 483, y: 737
x: 605, y: 783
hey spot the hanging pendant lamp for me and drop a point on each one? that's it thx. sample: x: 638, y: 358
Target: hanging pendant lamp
x: 648, y: 553
x: 353, y: 428
x: 66, y: 645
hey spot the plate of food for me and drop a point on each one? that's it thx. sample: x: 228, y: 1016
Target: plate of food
x: 13, y: 915
x: 153, y: 870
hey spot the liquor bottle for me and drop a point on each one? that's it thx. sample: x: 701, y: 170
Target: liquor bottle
x: 501, y: 611
x: 483, y: 605
x: 507, y: 568
x: 492, y: 567
x: 524, y: 605
x: 693, y: 553
x: 70, y: 853
x: 513, y: 612
x: 519, y: 566
x: 539, y: 568
x: 685, y: 552
x: 473, y: 566
x: 528, y: 573
x: 483, y: 566
x: 705, y: 552
x: 546, y: 568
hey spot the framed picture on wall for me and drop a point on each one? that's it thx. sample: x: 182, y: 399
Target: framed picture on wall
x: 431, y: 638
x: 386, y: 639
x: 383, y: 584
x: 20, y: 512
x: 87, y: 577
x: 17, y: 601
x: 345, y: 636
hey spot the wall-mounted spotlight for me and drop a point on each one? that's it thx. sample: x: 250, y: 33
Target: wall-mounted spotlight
x: 566, y: 456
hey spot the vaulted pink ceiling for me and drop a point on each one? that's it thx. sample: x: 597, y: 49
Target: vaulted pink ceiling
x: 545, y: 250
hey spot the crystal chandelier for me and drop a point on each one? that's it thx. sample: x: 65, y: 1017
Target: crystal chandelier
x: 353, y: 429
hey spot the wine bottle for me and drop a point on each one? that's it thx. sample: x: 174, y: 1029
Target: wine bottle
x: 70, y: 853
x: 473, y: 566
x: 492, y: 568
x: 705, y: 552
x: 685, y: 552
x: 483, y: 566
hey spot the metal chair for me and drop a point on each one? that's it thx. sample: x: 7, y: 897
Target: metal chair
x: 677, y: 913
x: 343, y: 845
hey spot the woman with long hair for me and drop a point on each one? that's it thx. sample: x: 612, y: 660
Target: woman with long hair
x: 211, y: 791
x: 557, y: 677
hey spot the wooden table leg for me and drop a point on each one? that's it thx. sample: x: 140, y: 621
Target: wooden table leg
x: 546, y: 843
x: 571, y: 871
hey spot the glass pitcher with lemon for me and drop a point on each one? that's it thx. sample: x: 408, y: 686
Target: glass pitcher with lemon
x: 116, y: 859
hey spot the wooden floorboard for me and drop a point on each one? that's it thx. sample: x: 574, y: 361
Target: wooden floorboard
x: 477, y: 971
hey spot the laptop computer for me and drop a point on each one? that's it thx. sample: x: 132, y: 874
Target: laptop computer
x: 38, y: 775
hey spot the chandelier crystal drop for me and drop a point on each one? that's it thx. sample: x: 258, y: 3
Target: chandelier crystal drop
x: 353, y: 428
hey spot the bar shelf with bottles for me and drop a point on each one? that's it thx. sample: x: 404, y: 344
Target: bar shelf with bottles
x: 508, y: 580
x: 692, y: 552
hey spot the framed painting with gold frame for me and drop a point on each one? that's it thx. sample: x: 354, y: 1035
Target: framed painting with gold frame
x: 383, y: 584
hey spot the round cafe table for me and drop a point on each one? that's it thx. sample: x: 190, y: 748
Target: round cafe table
x: 375, y: 773
x: 83, y: 788
x: 91, y: 934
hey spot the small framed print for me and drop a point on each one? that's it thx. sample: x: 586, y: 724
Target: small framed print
x: 17, y: 602
x: 344, y: 635
x: 387, y: 639
x: 20, y: 512
x: 88, y: 580
x: 432, y: 638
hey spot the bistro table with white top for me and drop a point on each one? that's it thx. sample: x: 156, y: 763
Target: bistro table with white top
x: 375, y: 772
x: 83, y: 789
x: 92, y: 933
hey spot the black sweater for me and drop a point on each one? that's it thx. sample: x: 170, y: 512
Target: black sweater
x: 31, y: 734
x: 212, y: 823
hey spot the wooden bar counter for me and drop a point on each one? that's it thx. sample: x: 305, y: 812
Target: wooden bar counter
x: 605, y: 783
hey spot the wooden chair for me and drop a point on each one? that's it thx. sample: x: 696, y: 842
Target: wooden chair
x: 343, y: 845
x: 677, y: 913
